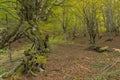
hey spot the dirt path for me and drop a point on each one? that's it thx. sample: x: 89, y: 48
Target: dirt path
x: 73, y: 62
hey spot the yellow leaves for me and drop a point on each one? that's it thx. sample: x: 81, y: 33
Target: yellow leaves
x: 101, y: 29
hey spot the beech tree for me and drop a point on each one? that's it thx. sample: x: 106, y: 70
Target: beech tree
x: 30, y: 12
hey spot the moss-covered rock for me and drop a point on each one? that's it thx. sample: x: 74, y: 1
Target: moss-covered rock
x: 98, y: 48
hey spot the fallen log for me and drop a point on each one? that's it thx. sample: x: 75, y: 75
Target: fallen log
x: 98, y: 48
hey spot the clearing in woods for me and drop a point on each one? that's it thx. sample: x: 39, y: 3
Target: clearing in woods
x: 73, y: 62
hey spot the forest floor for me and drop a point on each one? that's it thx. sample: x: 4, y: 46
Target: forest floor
x: 73, y: 62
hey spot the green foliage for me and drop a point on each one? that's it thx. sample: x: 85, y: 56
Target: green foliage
x: 98, y: 79
x: 57, y: 40
x: 18, y: 73
x: 53, y: 25
x: 76, y: 78
x: 3, y: 51
x: 2, y: 69
x: 101, y: 29
x: 1, y: 78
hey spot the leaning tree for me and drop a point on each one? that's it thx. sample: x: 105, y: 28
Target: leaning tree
x: 30, y: 12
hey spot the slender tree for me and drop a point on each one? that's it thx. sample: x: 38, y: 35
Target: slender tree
x: 90, y: 17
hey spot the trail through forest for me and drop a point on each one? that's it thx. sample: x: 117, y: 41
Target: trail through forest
x: 82, y: 36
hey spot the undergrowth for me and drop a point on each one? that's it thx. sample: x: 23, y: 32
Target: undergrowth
x: 59, y: 40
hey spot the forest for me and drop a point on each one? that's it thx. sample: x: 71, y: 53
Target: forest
x: 59, y: 39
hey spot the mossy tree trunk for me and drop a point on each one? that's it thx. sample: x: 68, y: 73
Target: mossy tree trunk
x: 31, y: 11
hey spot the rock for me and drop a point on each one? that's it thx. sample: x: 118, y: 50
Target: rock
x: 116, y: 50
x: 41, y: 70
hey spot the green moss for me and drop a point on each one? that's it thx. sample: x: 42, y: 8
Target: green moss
x: 3, y: 51
x: 40, y: 59
x: 102, y: 49
x: 2, y: 69
x: 76, y: 78
x: 98, y: 48
x: 33, y: 73
x: 1, y: 78
x: 99, y: 78
x: 19, y: 72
